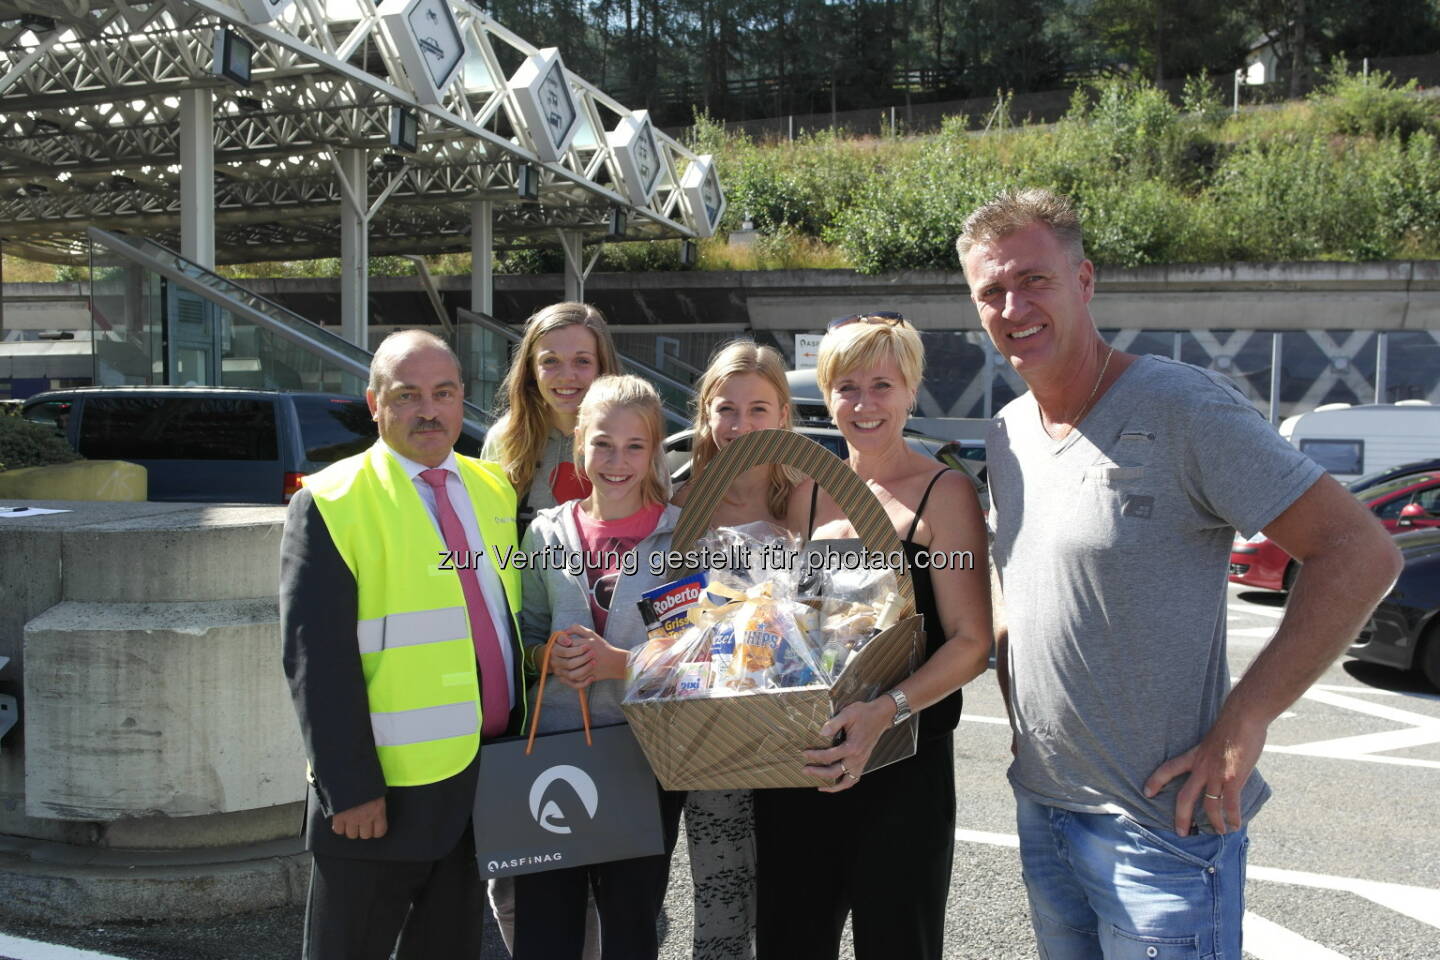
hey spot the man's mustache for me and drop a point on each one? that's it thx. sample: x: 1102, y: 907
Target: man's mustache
x: 426, y: 426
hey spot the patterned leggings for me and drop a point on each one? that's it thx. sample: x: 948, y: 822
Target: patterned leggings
x: 720, y: 831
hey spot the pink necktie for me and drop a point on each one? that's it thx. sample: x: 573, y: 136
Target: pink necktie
x: 494, y: 683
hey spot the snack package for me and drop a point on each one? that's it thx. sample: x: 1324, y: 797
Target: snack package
x: 770, y: 638
x: 666, y: 609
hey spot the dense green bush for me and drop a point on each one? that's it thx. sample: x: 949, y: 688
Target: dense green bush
x: 27, y: 444
x: 1352, y: 175
x: 1348, y: 104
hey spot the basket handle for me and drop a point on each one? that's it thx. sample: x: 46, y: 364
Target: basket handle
x: 540, y: 698
x: 795, y: 450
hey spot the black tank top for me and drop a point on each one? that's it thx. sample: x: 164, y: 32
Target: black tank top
x: 942, y: 717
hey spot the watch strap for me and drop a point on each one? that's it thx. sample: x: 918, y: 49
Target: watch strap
x: 902, y: 707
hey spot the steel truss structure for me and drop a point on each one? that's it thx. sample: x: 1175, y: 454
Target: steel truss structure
x: 90, y: 134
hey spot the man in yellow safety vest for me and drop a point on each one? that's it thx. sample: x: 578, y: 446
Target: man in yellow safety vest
x: 400, y: 645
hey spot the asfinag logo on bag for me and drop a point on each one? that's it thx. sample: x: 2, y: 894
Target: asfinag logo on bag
x: 549, y: 816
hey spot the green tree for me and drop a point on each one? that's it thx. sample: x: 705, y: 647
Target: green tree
x: 1163, y: 39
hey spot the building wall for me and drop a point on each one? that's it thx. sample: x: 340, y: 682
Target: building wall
x: 1341, y: 323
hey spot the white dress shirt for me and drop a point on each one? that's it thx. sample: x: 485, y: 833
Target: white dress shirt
x: 490, y: 584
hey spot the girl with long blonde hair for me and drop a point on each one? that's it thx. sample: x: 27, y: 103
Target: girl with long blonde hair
x: 618, y: 530
x: 743, y: 389
x: 565, y: 347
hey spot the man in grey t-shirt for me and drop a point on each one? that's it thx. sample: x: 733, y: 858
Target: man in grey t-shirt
x: 1117, y: 484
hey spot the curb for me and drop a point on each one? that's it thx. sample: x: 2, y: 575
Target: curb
x: 60, y: 884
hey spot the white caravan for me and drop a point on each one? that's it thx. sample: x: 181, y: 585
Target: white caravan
x: 1349, y: 441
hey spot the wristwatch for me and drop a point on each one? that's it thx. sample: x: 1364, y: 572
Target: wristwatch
x: 902, y: 707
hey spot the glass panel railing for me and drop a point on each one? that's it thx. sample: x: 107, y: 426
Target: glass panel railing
x: 485, y: 345
x: 264, y: 345
x: 146, y: 294
x: 126, y: 321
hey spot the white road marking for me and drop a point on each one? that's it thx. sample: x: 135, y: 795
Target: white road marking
x: 1376, y: 691
x: 1418, y: 903
x: 1250, y: 632
x: 973, y: 718
x: 1355, y: 688
x: 18, y: 948
x: 1363, y: 757
x: 1373, y: 709
x: 1419, y: 730
x: 1275, y: 612
x: 992, y: 839
x: 1267, y: 940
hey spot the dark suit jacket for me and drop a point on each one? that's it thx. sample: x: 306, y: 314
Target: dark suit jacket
x: 318, y: 611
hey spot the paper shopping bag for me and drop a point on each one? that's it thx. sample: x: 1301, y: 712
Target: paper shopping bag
x: 564, y: 800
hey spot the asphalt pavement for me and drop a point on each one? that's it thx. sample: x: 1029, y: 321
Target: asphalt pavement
x: 1344, y: 861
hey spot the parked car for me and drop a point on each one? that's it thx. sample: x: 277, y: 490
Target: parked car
x: 1403, y: 504
x: 1383, y: 476
x: 213, y: 444
x: 1404, y: 631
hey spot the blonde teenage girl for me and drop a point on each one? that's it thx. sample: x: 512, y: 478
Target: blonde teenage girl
x: 623, y: 522
x: 743, y: 389
x: 565, y: 347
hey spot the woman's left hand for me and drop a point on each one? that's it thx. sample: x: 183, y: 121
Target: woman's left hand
x: 844, y: 764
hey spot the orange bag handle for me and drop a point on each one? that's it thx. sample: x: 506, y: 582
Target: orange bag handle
x: 540, y: 698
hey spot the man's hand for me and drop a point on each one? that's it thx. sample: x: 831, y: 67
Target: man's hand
x: 1218, y: 767
x: 1348, y: 561
x: 365, y: 822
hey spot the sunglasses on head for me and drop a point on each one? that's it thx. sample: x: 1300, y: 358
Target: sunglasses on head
x: 886, y: 317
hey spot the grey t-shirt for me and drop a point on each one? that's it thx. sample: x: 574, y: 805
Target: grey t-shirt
x: 1112, y: 546
x: 559, y: 448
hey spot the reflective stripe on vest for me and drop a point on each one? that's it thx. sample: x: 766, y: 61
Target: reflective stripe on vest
x: 412, y: 630
x: 427, y: 723
x: 407, y: 629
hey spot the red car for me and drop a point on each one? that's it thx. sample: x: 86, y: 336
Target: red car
x: 1406, y: 503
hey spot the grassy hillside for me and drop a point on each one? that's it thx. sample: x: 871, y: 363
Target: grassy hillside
x: 1351, y: 174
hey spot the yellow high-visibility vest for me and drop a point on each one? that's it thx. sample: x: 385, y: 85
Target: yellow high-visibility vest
x: 413, y: 631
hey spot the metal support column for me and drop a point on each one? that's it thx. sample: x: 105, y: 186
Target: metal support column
x: 1276, y: 351
x: 197, y: 176
x: 1382, y: 361
x: 573, y: 242
x: 352, y: 167
x: 1176, y: 349
x: 482, y: 250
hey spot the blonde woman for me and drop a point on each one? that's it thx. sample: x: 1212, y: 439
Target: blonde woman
x: 743, y: 389
x: 565, y: 347
x: 888, y: 836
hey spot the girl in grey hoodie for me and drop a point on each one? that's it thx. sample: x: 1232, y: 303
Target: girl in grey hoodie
x: 593, y: 559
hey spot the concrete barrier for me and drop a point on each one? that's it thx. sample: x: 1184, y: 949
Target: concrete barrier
x: 157, y: 769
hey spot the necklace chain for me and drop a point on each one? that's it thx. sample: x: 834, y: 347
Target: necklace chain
x: 1080, y: 414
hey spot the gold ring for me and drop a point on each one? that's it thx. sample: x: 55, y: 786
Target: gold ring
x: 843, y: 770
x: 1211, y: 796
x: 851, y: 775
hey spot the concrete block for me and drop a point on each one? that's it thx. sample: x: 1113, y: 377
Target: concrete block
x: 138, y: 709
x: 112, y: 480
x: 203, y: 552
x: 61, y: 884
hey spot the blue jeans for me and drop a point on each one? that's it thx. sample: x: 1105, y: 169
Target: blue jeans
x: 1102, y: 885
